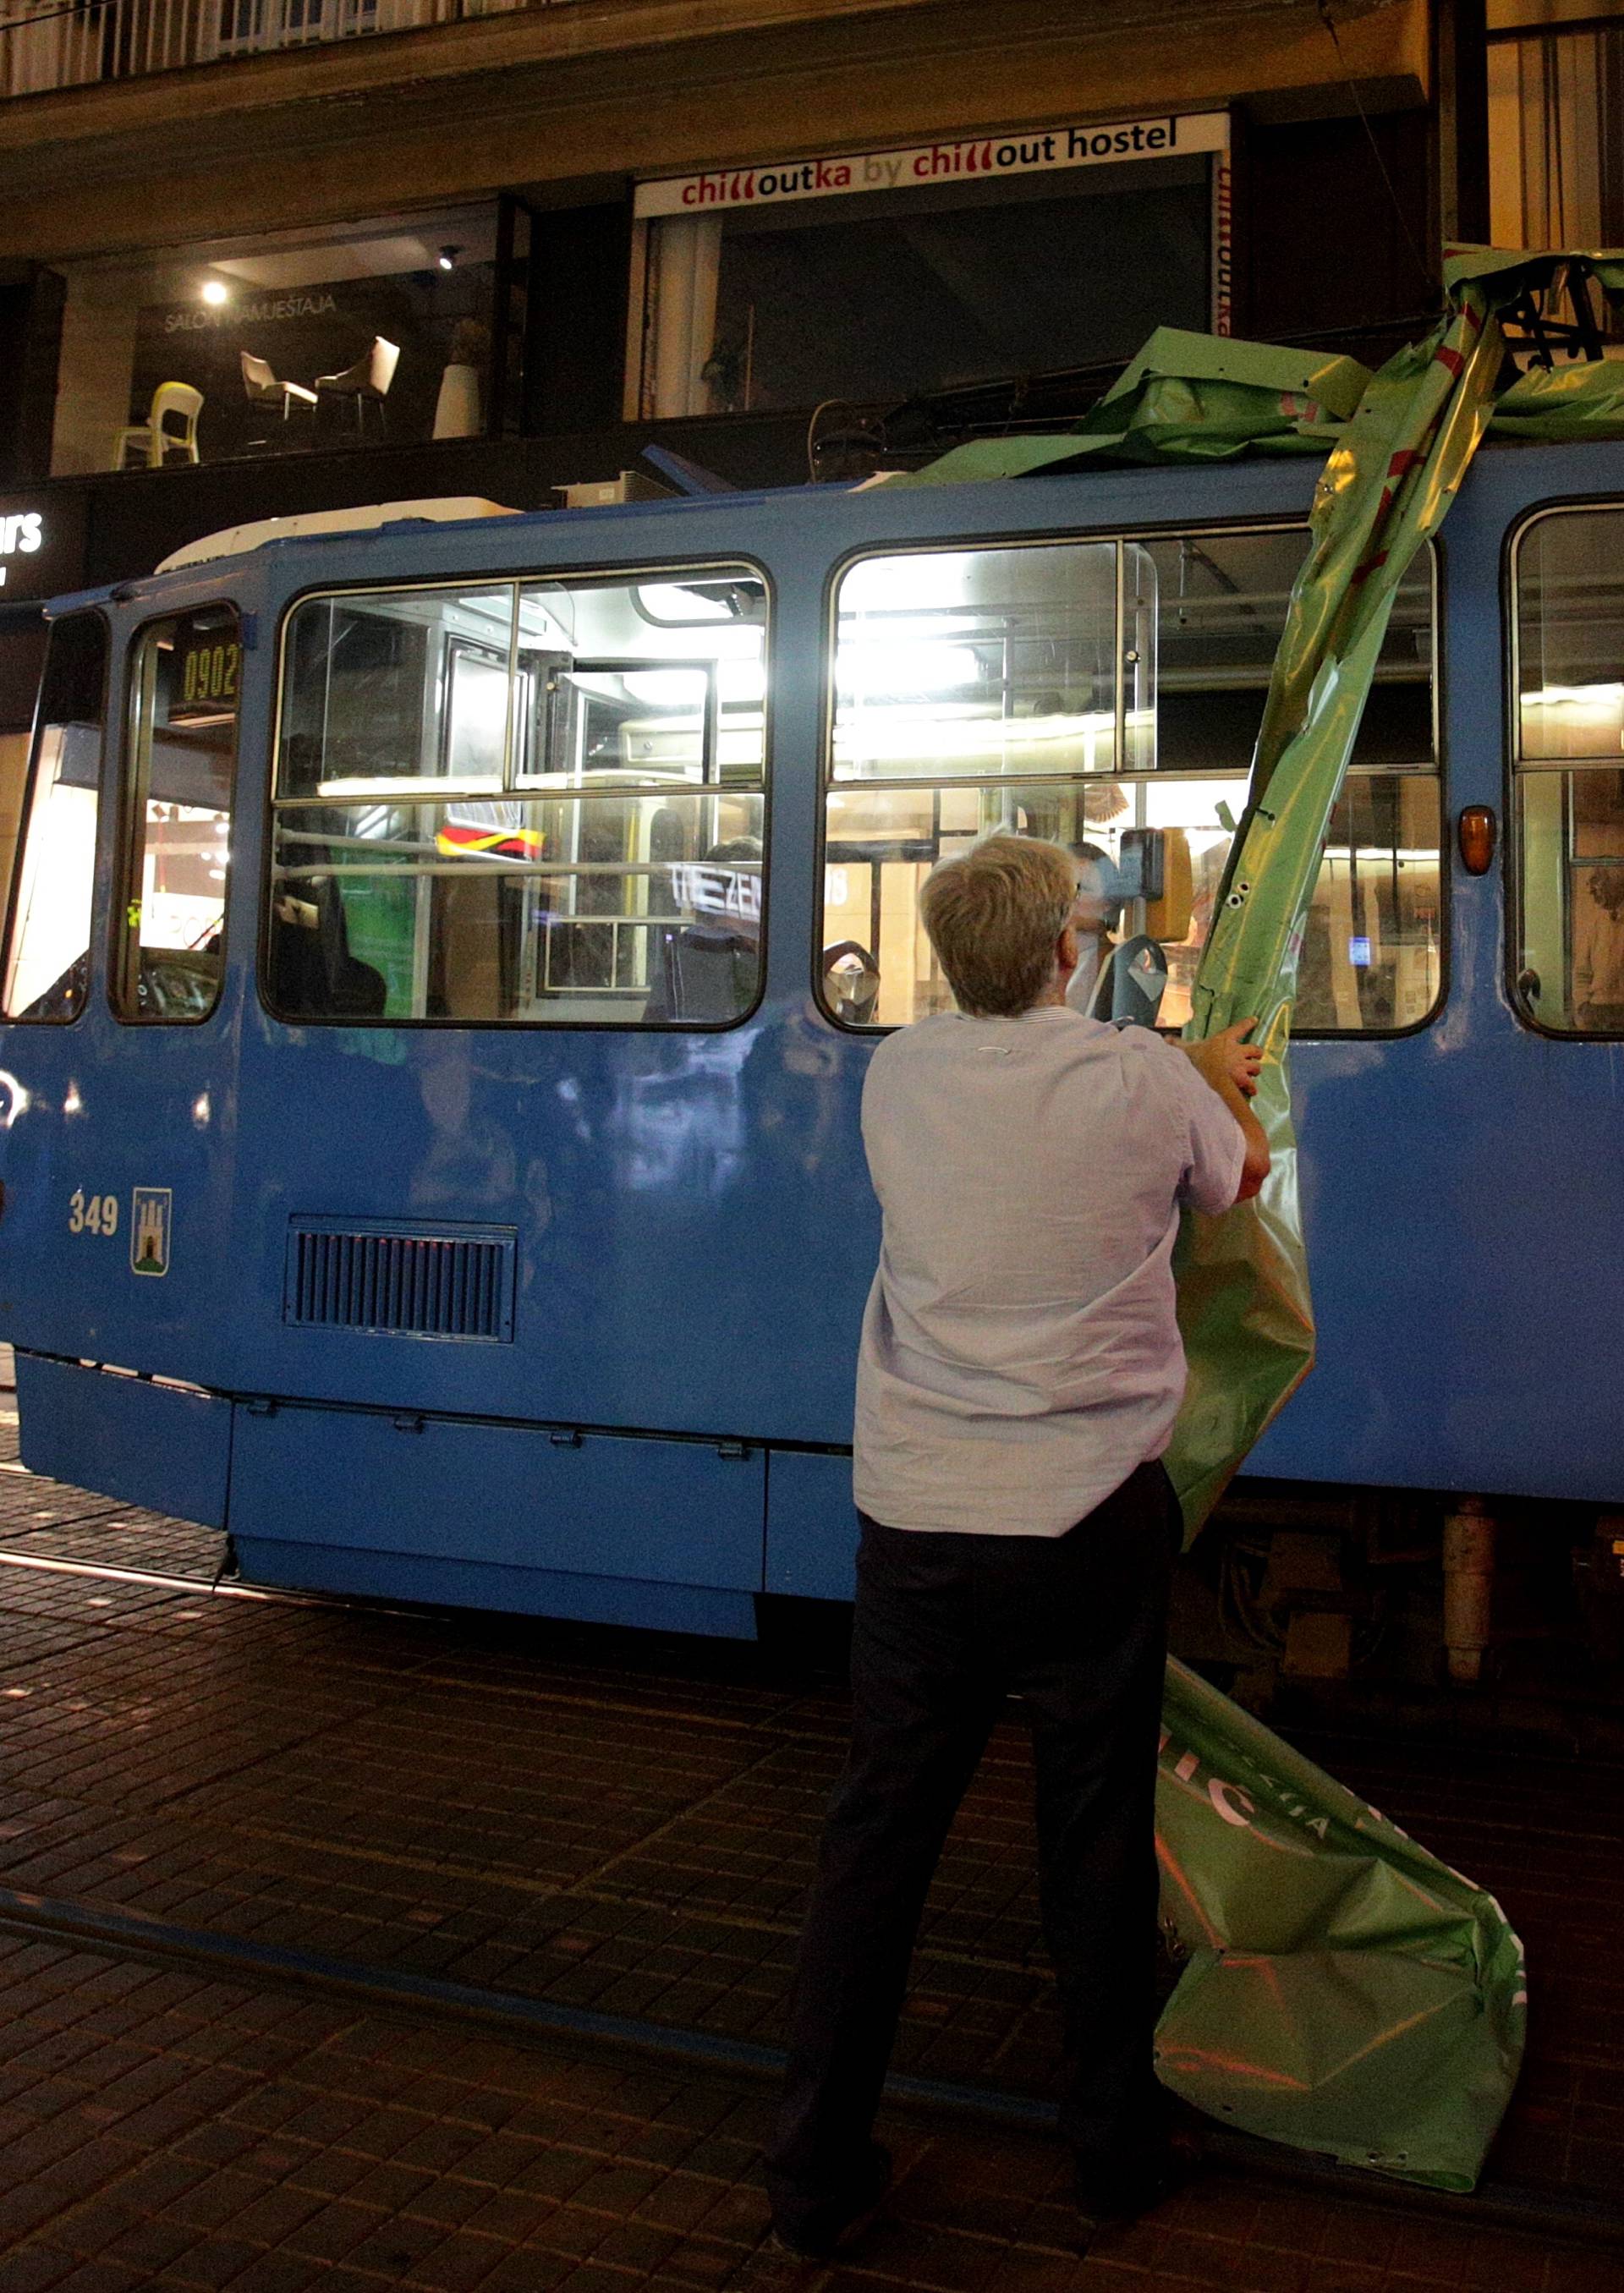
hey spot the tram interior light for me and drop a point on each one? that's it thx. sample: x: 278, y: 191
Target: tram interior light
x: 666, y: 688
x: 1572, y: 720
x: 670, y: 602
x: 877, y: 669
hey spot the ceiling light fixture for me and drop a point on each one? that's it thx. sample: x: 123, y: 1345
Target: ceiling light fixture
x: 215, y: 291
x: 448, y: 257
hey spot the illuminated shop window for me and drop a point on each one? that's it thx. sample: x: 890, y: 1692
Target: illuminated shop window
x: 287, y: 343
x: 1556, y: 123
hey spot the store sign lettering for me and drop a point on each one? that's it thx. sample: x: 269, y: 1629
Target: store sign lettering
x: 1086, y: 145
x: 24, y: 533
x: 193, y: 320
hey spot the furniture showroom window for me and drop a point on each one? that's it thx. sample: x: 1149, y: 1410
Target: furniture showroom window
x: 1107, y: 694
x: 1569, y: 772
x: 538, y: 802
x: 376, y: 332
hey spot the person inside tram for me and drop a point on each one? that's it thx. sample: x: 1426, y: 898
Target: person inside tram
x: 1598, y: 951
x: 707, y: 969
x: 312, y: 975
x: 1098, y: 912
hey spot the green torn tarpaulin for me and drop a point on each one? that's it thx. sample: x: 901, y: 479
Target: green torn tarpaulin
x: 1397, y: 444
x: 1346, y: 1992
x: 1395, y: 467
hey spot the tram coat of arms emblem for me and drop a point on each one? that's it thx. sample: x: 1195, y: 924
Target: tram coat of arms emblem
x: 150, y: 1224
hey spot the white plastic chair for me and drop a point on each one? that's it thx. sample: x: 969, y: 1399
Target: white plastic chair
x: 153, y: 437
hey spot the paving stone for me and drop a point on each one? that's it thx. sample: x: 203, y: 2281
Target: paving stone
x: 578, y: 1816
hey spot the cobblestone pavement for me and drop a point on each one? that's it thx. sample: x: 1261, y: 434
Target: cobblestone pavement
x: 606, y: 1822
x: 162, y: 2130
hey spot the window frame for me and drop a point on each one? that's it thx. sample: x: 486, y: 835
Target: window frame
x: 125, y: 830
x: 1513, y: 877
x: 13, y: 913
x: 1125, y: 536
x: 629, y: 574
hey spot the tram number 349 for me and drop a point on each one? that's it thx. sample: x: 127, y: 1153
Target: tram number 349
x: 93, y: 1213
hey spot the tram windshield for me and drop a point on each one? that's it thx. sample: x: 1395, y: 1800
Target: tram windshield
x: 48, y: 957
x: 537, y: 802
x: 1106, y: 695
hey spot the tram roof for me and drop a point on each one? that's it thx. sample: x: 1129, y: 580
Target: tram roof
x: 233, y: 544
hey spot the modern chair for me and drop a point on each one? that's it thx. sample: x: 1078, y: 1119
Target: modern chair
x: 263, y: 389
x: 171, y: 400
x: 365, y: 384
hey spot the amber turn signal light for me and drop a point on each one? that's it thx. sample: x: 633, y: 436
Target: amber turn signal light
x: 1476, y: 828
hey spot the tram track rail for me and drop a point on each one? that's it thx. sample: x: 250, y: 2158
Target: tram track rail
x: 1572, y: 2216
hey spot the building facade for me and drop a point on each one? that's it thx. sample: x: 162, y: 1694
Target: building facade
x: 263, y: 256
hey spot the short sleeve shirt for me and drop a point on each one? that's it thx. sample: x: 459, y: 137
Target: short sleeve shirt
x: 1020, y: 1355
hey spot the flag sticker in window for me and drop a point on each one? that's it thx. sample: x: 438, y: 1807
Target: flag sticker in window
x: 150, y: 1214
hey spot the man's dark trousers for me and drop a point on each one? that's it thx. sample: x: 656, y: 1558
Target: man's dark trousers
x: 947, y: 1626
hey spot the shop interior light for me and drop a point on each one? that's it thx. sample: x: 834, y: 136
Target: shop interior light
x: 448, y: 257
x: 215, y: 291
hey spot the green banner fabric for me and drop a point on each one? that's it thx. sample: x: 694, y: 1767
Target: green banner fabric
x: 1398, y: 443
x: 1388, y: 482
x: 1344, y: 1991
x: 1185, y: 398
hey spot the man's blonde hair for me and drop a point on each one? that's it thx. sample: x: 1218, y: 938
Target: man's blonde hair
x: 993, y: 915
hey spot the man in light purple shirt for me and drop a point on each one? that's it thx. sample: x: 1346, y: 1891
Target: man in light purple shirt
x: 1020, y: 1373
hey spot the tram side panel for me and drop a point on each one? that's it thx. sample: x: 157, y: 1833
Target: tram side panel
x: 658, y: 1237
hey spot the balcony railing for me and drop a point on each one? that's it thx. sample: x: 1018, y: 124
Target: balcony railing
x: 49, y: 44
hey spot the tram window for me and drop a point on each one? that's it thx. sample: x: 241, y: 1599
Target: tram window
x: 48, y: 958
x: 1372, y: 959
x: 384, y: 691
x: 1570, y: 771
x: 1569, y: 588
x: 583, y: 844
x: 171, y: 912
x: 974, y: 693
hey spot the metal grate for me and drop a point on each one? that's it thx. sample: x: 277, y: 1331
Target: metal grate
x: 420, y: 1282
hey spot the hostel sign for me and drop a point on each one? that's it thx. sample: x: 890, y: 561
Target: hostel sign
x: 973, y: 158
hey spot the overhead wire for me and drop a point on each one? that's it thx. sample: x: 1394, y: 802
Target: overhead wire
x: 1351, y: 84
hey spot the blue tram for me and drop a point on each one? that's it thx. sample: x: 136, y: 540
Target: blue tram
x: 445, y: 952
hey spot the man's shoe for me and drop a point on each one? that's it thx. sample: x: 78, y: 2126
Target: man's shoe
x: 816, y: 2232
x: 1110, y: 2196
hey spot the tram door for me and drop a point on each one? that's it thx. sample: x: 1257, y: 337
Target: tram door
x: 117, y: 1144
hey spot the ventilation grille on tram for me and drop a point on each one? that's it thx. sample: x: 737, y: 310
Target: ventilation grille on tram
x: 420, y: 1281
